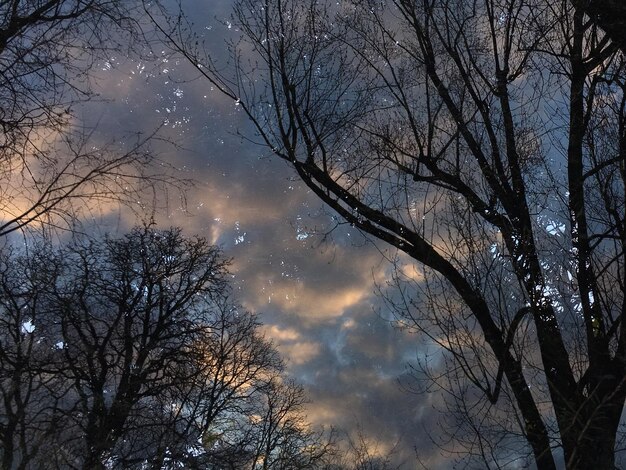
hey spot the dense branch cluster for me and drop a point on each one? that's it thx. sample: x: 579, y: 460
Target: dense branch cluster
x: 126, y: 353
x: 119, y: 352
x: 484, y: 141
x: 53, y: 168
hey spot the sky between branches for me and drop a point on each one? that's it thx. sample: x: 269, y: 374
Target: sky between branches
x: 313, y: 283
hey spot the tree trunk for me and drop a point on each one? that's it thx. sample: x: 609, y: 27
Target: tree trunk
x: 610, y: 15
x: 594, y: 446
x: 597, y: 454
x: 95, y: 449
x: 7, y: 450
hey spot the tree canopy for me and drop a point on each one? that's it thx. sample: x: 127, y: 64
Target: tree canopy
x: 54, y: 170
x: 610, y: 15
x: 485, y: 141
x: 127, y: 353
x: 120, y: 352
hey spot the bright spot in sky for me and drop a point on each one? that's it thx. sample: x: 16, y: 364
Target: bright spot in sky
x: 554, y: 228
x: 28, y: 327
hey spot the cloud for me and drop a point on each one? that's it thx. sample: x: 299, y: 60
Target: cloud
x: 317, y: 299
x: 293, y: 347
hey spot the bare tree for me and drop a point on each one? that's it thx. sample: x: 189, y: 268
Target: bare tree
x: 484, y: 140
x: 101, y: 329
x: 48, y: 159
x: 29, y: 418
x: 218, y: 405
x: 610, y: 15
x: 362, y: 453
x: 127, y: 353
x: 281, y: 437
x: 129, y: 313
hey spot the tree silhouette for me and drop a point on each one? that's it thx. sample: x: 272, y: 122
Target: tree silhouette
x: 485, y: 142
x: 610, y: 15
x: 127, y: 353
x: 52, y: 169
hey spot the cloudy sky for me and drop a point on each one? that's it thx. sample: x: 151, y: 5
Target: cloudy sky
x: 312, y: 281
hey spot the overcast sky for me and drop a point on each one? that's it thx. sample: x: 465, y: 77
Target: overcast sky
x: 315, y: 294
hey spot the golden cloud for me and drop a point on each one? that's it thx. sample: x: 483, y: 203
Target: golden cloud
x: 289, y: 342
